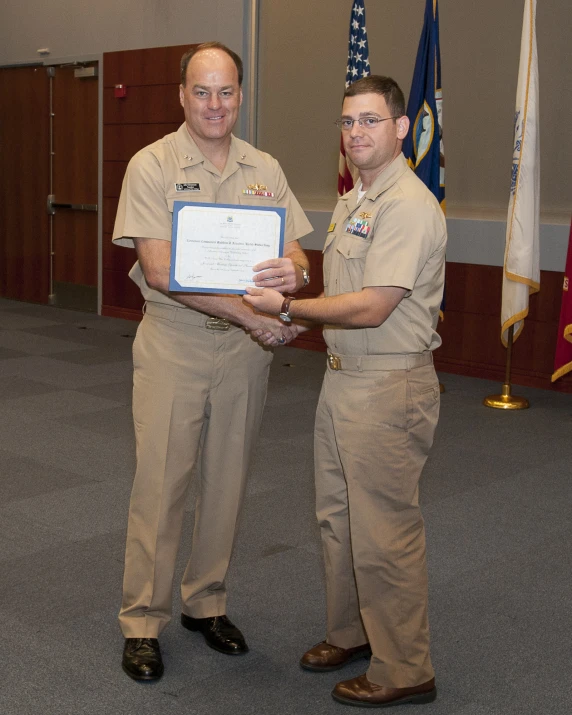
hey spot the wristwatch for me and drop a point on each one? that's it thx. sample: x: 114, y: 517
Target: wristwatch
x: 284, y: 314
x: 305, y: 275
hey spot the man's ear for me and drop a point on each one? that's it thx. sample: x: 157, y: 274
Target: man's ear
x: 181, y: 96
x: 402, y: 127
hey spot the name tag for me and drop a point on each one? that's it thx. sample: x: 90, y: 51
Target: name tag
x: 187, y: 187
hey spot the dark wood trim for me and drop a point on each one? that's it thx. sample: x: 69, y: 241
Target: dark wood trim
x: 488, y: 372
x: 471, y: 329
x: 112, y: 311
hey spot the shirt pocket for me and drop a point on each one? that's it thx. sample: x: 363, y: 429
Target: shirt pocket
x: 251, y: 200
x: 351, y: 256
x: 189, y: 196
x: 353, y: 247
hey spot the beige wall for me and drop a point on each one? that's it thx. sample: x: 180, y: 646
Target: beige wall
x: 303, y: 46
x: 79, y: 29
x: 83, y: 27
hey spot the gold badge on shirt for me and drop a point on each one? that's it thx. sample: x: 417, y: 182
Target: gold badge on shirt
x: 258, y: 190
x: 364, y: 214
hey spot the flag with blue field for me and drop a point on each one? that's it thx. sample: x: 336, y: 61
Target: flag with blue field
x: 423, y: 146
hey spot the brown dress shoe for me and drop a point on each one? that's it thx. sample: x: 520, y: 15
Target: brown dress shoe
x: 361, y: 692
x: 324, y: 657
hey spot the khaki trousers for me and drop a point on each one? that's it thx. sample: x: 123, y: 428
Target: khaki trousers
x: 194, y: 390
x: 374, y: 429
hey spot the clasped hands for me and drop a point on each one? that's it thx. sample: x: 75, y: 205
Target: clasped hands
x: 273, y: 278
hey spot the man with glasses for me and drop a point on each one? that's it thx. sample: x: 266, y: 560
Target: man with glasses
x: 200, y: 379
x: 384, y: 261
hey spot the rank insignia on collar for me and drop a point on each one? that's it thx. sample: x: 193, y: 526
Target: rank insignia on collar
x: 331, y: 227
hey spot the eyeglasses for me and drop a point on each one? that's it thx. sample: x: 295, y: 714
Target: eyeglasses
x: 365, y: 122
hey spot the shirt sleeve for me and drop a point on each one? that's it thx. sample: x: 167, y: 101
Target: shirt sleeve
x: 405, y: 235
x: 297, y: 225
x: 143, y: 211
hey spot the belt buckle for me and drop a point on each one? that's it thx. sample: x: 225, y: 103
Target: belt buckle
x: 217, y: 323
x: 334, y: 362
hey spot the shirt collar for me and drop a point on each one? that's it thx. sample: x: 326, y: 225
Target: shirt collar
x: 387, y: 178
x: 383, y: 181
x: 242, y: 152
x: 189, y: 153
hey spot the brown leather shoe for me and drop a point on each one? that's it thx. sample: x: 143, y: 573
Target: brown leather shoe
x: 361, y: 692
x: 324, y: 657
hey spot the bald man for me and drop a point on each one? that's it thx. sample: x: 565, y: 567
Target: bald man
x: 199, y: 375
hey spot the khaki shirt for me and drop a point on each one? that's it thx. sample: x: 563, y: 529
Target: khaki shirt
x: 149, y: 189
x: 395, y: 236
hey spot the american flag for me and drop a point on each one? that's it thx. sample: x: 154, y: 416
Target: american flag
x: 358, y: 67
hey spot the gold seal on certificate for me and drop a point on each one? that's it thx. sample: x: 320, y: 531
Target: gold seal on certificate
x: 215, y: 246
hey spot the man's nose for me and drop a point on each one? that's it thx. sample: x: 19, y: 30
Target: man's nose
x: 214, y: 101
x: 356, y: 130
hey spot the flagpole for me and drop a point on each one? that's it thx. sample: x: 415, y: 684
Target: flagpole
x: 507, y: 401
x: 521, y: 268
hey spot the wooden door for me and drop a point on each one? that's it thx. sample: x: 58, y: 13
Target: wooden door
x: 74, y: 186
x: 24, y: 183
x: 149, y: 110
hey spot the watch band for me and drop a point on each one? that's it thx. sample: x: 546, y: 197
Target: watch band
x: 305, y: 275
x: 284, y: 314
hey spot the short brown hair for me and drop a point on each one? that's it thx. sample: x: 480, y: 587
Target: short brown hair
x: 186, y: 58
x: 377, y: 84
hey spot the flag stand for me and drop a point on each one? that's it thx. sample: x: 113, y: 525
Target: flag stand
x: 506, y: 401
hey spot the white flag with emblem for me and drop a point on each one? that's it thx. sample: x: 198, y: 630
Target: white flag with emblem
x: 521, y: 275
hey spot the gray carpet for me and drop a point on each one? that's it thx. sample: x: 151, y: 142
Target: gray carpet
x: 497, y: 502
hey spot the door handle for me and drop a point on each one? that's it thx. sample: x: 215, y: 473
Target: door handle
x: 52, y: 205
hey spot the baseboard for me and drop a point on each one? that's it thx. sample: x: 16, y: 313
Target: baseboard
x: 488, y: 372
x: 110, y: 311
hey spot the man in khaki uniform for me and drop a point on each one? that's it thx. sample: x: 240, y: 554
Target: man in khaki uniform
x: 199, y: 375
x: 384, y: 261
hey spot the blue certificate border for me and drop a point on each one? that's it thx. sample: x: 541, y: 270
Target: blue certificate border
x: 174, y: 285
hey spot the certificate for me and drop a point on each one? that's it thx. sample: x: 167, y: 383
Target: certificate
x: 214, y: 246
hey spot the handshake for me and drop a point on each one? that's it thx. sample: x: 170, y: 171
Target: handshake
x: 273, y: 332
x: 273, y: 279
